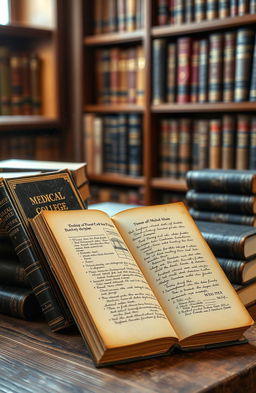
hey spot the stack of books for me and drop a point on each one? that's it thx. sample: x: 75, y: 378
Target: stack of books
x: 223, y: 203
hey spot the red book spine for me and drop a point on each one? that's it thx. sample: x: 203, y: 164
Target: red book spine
x: 184, y: 69
x: 242, y: 142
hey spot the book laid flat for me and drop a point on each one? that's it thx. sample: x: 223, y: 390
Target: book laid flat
x: 232, y: 218
x: 246, y: 292
x: 21, y: 199
x: 228, y: 240
x: 140, y: 283
x: 239, y: 271
x: 231, y: 181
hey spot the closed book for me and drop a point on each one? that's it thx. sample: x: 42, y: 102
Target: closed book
x: 162, y: 12
x: 97, y: 145
x: 122, y: 144
x: 130, y: 15
x: 121, y: 15
x: 212, y: 11
x: 12, y: 272
x: 164, y: 148
x: 189, y: 11
x: 229, y: 63
x: 224, y: 8
x: 107, y: 144
x: 18, y: 302
x: 159, y: 66
x: 134, y: 145
x: 171, y: 72
x: 252, y: 158
x: 226, y: 181
x: 139, y: 19
x: 215, y: 138
x: 21, y: 199
x: 114, y: 75
x: 140, y: 79
x: 109, y: 16
x: 195, y: 146
x: 243, y: 7
x: 200, y: 10
x: 132, y: 75
x: 184, y: 154
x: 123, y: 76
x: 36, y: 65
x: 179, y: 11
x: 252, y: 7
x: 228, y: 142
x: 252, y: 96
x: 26, y: 86
x: 203, y: 153
x: 173, y: 151
x: 246, y: 293
x: 194, y: 72
x: 16, y: 85
x: 242, y: 142
x: 203, y: 70
x: 183, y: 69
x: 98, y: 17
x: 233, y: 7
x: 244, y: 55
x: 231, y: 218
x: 5, y: 87
x: 104, y: 94
x: 215, y: 67
x: 229, y: 240
x: 228, y: 203
x: 239, y: 271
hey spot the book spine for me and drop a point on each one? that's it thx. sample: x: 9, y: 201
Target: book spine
x: 171, y: 72
x: 195, y: 146
x: 132, y: 75
x: 173, y: 127
x: 194, y: 72
x: 16, y: 85
x: 114, y: 75
x: 242, y: 143
x: 5, y: 88
x: 243, y: 7
x: 200, y: 10
x: 184, y: 147
x: 97, y: 145
x: 252, y: 144
x: 123, y: 72
x: 244, y: 49
x: 130, y: 15
x: 107, y: 148
x: 233, y: 269
x: 227, y: 218
x: 18, y: 302
x: 162, y: 12
x: 203, y: 70
x: 36, y: 83
x: 233, y: 8
x: 29, y: 260
x: 224, y: 8
x: 121, y: 15
x: 212, y: 9
x: 140, y: 81
x: 123, y: 144
x: 13, y: 273
x: 215, y: 68
x: 105, y: 92
x: 26, y: 89
x: 229, y: 203
x: 139, y: 14
x: 189, y: 11
x: 164, y: 148
x: 228, y: 142
x: 158, y: 71
x: 229, y: 60
x: 253, y: 75
x: 179, y: 11
x: 203, y: 156
x: 252, y: 7
x: 134, y: 145
x: 184, y: 71
x: 114, y: 143
x: 171, y: 11
x: 215, y: 136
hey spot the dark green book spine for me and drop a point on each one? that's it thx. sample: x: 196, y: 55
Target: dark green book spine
x: 18, y: 302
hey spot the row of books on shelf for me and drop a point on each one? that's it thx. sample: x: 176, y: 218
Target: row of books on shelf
x: 118, y: 16
x: 20, y: 83
x: 171, y: 12
x: 226, y: 142
x: 120, y: 75
x: 103, y: 193
x: 113, y: 144
x: 220, y: 67
x: 38, y: 147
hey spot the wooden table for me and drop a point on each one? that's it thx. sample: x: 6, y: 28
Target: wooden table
x: 33, y: 359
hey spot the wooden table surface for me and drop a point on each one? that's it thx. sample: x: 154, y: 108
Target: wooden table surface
x: 33, y: 359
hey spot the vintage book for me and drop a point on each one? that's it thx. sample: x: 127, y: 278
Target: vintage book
x: 228, y: 142
x: 229, y: 62
x: 130, y: 15
x: 229, y: 240
x: 137, y: 303
x: 140, y: 77
x: 132, y: 75
x: 252, y: 7
x: 134, y: 145
x: 242, y: 142
x: 173, y: 151
x: 184, y: 45
x: 195, y: 146
x: 162, y: 12
x: 121, y: 15
x: 184, y: 147
x: 21, y: 199
x: 252, y: 144
x: 224, y: 8
x: 122, y: 144
x: 189, y: 11
x: 244, y: 55
x: 215, y: 138
x: 159, y: 66
x: 226, y: 181
x: 179, y: 11
x: 203, y: 144
x: 78, y: 169
x: 16, y: 84
x: 12, y: 272
x: 246, y: 293
x: 26, y: 85
x: 139, y: 18
x: 171, y: 72
x: 164, y: 148
x: 97, y: 17
x: 199, y: 10
x: 123, y: 80
x: 243, y: 7
x: 239, y: 271
x: 231, y: 218
x: 5, y: 87
x: 194, y: 71
x: 233, y: 7
x: 35, y: 63
x: 97, y: 145
x: 19, y: 302
x: 227, y: 203
x: 215, y: 67
x: 252, y: 96
x: 114, y: 75
x: 212, y: 11
x: 203, y: 70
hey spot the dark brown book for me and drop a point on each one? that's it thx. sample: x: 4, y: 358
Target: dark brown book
x: 215, y: 67
x: 239, y: 271
x: 173, y: 151
x: 162, y: 12
x: 21, y: 199
x: 215, y: 139
x: 16, y: 85
x: 5, y: 87
x: 226, y: 181
x: 242, y: 142
x: 36, y: 65
x: 228, y: 142
x: 229, y: 218
x: 203, y: 69
x: 171, y: 72
x: 229, y: 240
x: 120, y: 316
x: 194, y: 93
x: 19, y: 302
x: 12, y: 272
x: 229, y: 63
x: 229, y: 203
x: 246, y: 294
x: 114, y: 75
x: 203, y: 143
x: 184, y: 146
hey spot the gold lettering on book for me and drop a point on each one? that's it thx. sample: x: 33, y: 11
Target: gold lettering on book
x: 52, y: 197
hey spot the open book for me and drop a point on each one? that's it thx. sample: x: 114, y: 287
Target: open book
x: 140, y: 283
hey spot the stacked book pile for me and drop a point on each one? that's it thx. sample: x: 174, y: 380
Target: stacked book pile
x: 223, y: 203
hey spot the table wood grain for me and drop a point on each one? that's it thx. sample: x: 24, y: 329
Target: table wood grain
x: 33, y: 359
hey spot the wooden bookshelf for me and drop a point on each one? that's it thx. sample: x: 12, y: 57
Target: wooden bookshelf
x: 84, y: 43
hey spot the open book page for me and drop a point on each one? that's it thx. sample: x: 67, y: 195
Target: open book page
x: 122, y: 305
x: 181, y: 269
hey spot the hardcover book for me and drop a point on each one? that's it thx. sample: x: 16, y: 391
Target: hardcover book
x: 20, y: 200
x: 136, y: 282
x: 238, y: 271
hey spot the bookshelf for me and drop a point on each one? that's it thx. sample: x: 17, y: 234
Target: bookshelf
x: 85, y: 43
x: 33, y: 117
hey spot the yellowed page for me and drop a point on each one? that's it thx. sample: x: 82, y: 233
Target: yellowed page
x: 123, y: 307
x: 176, y: 261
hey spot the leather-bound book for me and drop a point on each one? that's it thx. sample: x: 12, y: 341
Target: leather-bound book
x: 5, y: 88
x: 228, y: 142
x: 252, y: 96
x: 159, y: 73
x: 212, y: 11
x: 252, y: 144
x: 232, y: 218
x: 229, y: 63
x: 184, y: 155
x: 171, y: 72
x: 183, y: 69
x: 194, y: 71
x: 215, y: 138
x: 203, y: 70
x: 215, y: 67
x: 12, y: 272
x: 224, y: 8
x: 238, y: 271
x: 162, y: 12
x: 242, y: 142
